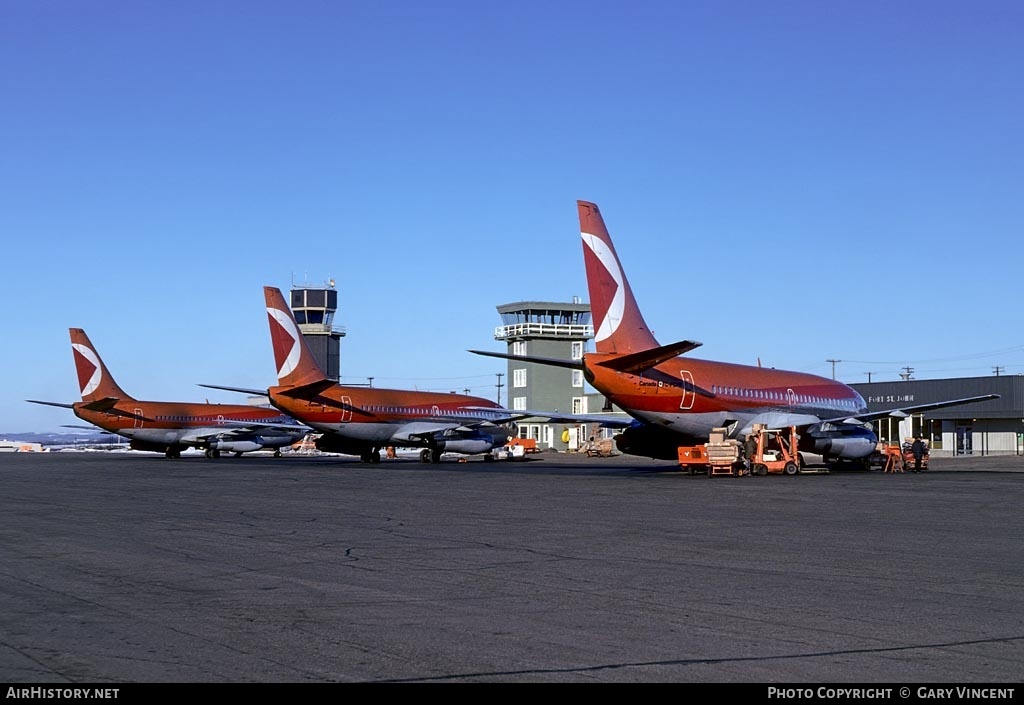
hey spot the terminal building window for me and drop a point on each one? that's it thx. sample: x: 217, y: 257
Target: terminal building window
x: 519, y: 378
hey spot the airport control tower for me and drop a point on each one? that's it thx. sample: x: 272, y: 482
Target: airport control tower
x: 546, y: 329
x: 314, y: 309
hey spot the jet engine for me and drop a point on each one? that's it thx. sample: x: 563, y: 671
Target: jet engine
x: 847, y: 448
x: 847, y: 442
x: 235, y: 446
x: 137, y: 444
x: 468, y: 446
x: 332, y: 443
x: 651, y: 441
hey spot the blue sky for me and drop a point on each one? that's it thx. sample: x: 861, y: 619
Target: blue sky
x: 851, y: 171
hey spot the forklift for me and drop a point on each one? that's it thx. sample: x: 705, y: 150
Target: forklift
x: 776, y: 451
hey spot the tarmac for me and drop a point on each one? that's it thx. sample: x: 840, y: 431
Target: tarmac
x: 134, y: 568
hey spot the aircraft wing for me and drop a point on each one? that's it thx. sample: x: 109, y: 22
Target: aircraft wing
x: 557, y: 417
x: 246, y: 428
x: 907, y: 410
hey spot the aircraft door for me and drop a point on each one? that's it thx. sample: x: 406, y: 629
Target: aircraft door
x: 346, y: 409
x: 138, y: 418
x: 689, y: 395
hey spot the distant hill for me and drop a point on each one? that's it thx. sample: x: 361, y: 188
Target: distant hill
x: 68, y: 438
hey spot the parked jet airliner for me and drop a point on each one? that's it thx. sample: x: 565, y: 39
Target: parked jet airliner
x: 170, y: 427
x: 362, y: 420
x: 679, y: 399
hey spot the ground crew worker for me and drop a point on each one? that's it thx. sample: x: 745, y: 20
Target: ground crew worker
x: 749, y: 450
x: 918, y: 450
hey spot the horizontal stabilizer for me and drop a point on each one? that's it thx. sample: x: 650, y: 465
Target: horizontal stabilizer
x: 550, y: 361
x: 104, y: 404
x: 107, y: 405
x: 240, y: 390
x: 51, y: 403
x: 311, y: 391
x: 646, y: 359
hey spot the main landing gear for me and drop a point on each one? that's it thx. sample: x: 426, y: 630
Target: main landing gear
x: 430, y: 455
x: 371, y: 456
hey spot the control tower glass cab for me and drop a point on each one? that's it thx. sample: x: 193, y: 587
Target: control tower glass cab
x: 314, y: 309
x: 546, y: 329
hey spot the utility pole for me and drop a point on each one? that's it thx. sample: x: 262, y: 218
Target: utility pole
x: 370, y: 380
x: 869, y: 376
x: 499, y: 385
x: 834, y: 367
x: 907, y: 373
x: 997, y: 370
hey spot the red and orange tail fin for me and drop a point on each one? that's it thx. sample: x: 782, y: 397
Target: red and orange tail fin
x: 619, y: 325
x: 94, y: 381
x: 295, y: 363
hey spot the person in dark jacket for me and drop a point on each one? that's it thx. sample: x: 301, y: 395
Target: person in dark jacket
x: 918, y: 450
x: 749, y: 449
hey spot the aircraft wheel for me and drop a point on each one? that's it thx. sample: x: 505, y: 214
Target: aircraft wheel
x: 435, y: 455
x: 791, y: 469
x: 425, y: 455
x: 238, y: 454
x: 375, y: 457
x: 215, y: 454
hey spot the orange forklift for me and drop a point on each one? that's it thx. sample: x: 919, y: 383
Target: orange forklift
x: 776, y: 451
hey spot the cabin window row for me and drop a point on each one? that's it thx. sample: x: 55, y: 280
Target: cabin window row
x: 775, y: 395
